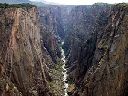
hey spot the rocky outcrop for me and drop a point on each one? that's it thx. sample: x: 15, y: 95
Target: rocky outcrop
x: 21, y: 60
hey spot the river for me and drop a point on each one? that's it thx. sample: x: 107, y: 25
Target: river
x: 65, y: 71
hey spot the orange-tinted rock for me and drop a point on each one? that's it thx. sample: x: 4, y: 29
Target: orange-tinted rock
x: 21, y: 54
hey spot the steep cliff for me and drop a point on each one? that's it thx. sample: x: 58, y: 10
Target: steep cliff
x: 21, y: 59
x: 51, y: 29
x: 108, y: 75
x: 96, y: 49
x: 80, y: 43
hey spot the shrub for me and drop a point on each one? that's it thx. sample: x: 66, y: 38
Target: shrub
x: 23, y: 5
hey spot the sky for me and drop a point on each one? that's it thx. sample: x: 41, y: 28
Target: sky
x: 82, y: 2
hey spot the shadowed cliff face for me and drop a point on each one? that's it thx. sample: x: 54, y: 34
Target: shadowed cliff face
x: 51, y: 29
x: 108, y: 75
x: 97, y: 51
x: 80, y: 43
x: 21, y: 59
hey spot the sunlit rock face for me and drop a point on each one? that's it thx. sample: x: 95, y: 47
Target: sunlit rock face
x: 21, y: 59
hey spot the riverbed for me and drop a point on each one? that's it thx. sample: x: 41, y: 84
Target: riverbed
x: 65, y: 71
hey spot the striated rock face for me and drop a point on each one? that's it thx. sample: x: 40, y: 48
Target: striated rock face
x: 21, y: 59
x: 108, y: 75
x: 51, y: 29
x: 80, y: 43
x: 96, y: 49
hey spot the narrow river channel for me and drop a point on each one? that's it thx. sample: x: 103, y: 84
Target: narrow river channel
x: 65, y: 71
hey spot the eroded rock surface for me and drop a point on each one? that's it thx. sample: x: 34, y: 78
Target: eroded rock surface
x: 97, y: 51
x: 21, y: 59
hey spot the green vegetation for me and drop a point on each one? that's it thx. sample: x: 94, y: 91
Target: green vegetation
x: 70, y: 81
x: 122, y: 4
x: 57, y: 84
x: 24, y: 5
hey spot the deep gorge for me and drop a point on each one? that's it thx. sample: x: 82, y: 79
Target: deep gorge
x: 55, y: 50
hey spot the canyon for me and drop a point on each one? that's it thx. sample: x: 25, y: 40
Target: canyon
x: 61, y: 50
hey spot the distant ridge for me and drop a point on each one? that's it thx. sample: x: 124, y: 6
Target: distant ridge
x: 14, y: 1
x: 43, y: 3
x: 27, y: 1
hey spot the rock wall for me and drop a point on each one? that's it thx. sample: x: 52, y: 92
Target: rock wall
x: 21, y: 59
x: 96, y: 49
x: 80, y: 43
x: 108, y: 75
x: 51, y: 29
